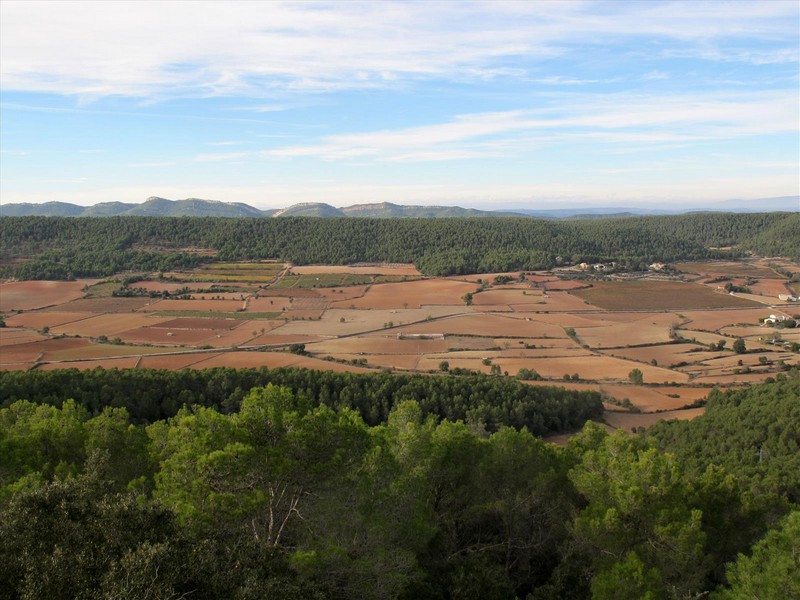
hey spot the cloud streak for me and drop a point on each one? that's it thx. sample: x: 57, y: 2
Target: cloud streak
x: 625, y: 119
x: 160, y: 50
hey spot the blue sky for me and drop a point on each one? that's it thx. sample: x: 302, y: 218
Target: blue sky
x: 485, y: 104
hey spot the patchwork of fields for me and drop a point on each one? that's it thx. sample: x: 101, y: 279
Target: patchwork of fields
x: 676, y: 335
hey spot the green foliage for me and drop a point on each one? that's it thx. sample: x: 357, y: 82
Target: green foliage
x: 739, y: 346
x: 772, y: 571
x: 636, y: 501
x: 151, y: 395
x: 275, y: 491
x: 636, y: 377
x: 753, y: 433
x: 65, y: 248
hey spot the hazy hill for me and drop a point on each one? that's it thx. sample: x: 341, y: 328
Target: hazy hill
x: 389, y: 210
x: 191, y: 207
x: 107, y: 209
x: 48, y: 209
x: 309, y: 209
x: 195, y: 207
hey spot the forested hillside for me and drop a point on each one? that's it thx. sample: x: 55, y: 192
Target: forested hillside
x: 150, y: 395
x: 279, y: 494
x: 67, y: 247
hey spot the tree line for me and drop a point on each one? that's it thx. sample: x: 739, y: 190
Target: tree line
x: 150, y: 395
x: 60, y: 247
x: 288, y: 497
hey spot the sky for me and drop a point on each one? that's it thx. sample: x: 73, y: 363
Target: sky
x: 500, y: 104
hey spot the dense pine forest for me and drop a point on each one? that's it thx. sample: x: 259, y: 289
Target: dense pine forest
x: 280, y: 491
x: 61, y: 248
x: 149, y: 395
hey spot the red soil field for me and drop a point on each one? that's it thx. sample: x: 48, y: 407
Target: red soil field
x: 173, y: 361
x: 565, y: 301
x: 40, y: 319
x: 651, y: 294
x: 412, y: 294
x: 157, y: 335
x: 654, y: 399
x: 346, y: 293
x: 102, y: 305
x: 768, y: 287
x: 103, y: 351
x: 36, y: 350
x: 272, y: 360
x: 25, y: 295
x: 12, y: 337
x: 199, y: 323
x: 627, y: 421
x: 109, y: 325
x: 269, y: 304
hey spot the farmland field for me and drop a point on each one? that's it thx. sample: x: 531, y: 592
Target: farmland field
x: 27, y: 295
x: 387, y: 317
x: 648, y: 294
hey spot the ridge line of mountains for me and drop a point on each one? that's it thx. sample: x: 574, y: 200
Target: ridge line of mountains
x: 195, y: 207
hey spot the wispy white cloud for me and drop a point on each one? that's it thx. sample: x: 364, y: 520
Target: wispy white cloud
x: 611, y: 119
x: 159, y: 50
x: 655, y: 76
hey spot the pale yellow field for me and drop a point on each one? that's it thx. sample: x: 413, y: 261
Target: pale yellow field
x: 490, y: 326
x: 713, y: 320
x: 638, y: 329
x: 508, y: 296
x: 383, y: 344
x: 369, y: 269
x: 666, y: 355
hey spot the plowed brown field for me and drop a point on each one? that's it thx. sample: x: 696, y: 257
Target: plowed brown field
x: 26, y: 295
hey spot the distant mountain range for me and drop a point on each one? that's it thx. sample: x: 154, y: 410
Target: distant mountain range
x: 194, y: 207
